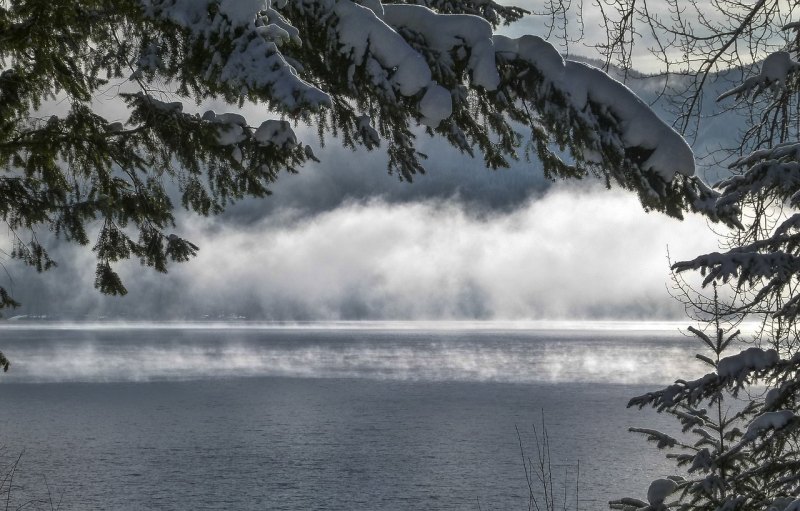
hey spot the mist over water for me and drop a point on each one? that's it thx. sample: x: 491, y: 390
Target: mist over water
x: 570, y: 254
x: 71, y: 353
x: 341, y: 416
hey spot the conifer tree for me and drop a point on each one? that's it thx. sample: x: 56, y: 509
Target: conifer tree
x: 371, y: 74
x: 739, y: 449
x: 743, y: 456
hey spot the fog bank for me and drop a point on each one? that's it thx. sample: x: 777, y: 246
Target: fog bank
x: 573, y: 254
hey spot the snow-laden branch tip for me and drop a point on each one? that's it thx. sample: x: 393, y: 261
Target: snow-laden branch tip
x: 775, y: 70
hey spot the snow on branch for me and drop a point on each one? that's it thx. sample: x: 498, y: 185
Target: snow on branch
x: 434, y: 63
x: 738, y: 367
x: 447, y: 32
x: 746, y: 264
x: 733, y: 372
x: 489, y: 10
x: 775, y: 70
x: 662, y: 440
x: 613, y: 133
x: 445, y: 70
x: 775, y: 170
x: 252, y: 61
x: 774, y: 261
x: 374, y: 32
x: 637, y: 125
x: 769, y: 421
x: 361, y: 32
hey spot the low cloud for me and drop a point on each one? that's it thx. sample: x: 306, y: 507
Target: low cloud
x: 573, y: 254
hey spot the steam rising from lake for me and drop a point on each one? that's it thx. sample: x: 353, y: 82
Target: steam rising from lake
x: 567, y: 255
x: 571, y: 254
x: 474, y: 355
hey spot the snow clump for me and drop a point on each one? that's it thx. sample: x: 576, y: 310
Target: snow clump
x: 254, y: 60
x: 359, y: 29
x: 231, y: 129
x: 277, y: 133
x: 436, y: 105
x: 447, y: 32
x: 659, y: 490
x: 766, y: 421
x: 775, y: 69
x: 751, y: 359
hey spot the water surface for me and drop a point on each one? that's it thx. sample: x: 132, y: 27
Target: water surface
x: 312, y: 417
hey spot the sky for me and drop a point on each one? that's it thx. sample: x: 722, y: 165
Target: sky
x: 583, y: 18
x: 343, y: 240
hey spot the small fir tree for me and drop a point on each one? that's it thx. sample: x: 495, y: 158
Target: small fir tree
x: 740, y: 425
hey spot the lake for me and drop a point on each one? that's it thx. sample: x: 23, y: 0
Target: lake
x: 339, y: 416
